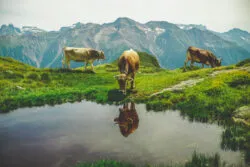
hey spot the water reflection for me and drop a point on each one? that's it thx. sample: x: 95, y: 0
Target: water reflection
x: 235, y: 138
x: 128, y: 119
x: 67, y: 133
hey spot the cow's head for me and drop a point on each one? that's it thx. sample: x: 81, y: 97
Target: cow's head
x: 218, y: 62
x: 122, y: 80
x: 101, y: 55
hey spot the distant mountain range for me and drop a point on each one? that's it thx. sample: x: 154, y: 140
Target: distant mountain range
x: 167, y: 41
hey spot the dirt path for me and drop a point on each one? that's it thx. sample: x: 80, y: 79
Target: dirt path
x: 191, y: 82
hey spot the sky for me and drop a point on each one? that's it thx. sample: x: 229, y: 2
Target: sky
x: 217, y: 15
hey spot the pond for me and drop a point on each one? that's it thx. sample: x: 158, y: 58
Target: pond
x: 64, y: 134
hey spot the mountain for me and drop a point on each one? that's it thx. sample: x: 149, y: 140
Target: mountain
x: 9, y: 30
x: 191, y: 26
x: 240, y: 37
x: 167, y: 41
x: 31, y: 30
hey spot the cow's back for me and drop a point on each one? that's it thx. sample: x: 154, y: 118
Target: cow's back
x: 132, y: 58
x: 77, y: 54
x: 199, y: 55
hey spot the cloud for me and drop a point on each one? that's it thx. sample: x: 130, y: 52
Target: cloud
x: 52, y: 14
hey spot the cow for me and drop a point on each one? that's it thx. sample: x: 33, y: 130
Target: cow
x: 201, y: 56
x: 128, y: 65
x: 128, y: 119
x: 87, y: 55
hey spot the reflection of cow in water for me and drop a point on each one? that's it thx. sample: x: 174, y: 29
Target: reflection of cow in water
x: 128, y: 119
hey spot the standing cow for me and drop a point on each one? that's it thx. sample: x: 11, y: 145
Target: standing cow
x: 128, y: 64
x: 87, y: 55
x: 201, y: 56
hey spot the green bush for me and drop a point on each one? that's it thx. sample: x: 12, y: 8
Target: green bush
x: 239, y: 80
x: 244, y: 62
x: 12, y: 75
x: 34, y: 76
x: 45, y: 77
x: 214, y: 91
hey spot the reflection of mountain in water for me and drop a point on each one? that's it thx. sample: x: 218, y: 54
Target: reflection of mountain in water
x: 128, y: 119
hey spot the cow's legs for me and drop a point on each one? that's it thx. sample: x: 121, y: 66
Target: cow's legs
x: 86, y: 63
x: 68, y: 64
x: 133, y: 81
x: 62, y: 63
x: 185, y: 64
x: 188, y: 57
x: 192, y: 64
x: 92, y: 66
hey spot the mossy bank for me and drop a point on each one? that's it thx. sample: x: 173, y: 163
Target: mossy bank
x: 219, y: 92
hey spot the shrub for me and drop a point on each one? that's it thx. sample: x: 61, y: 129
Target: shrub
x: 244, y: 62
x: 214, y: 91
x: 12, y: 74
x: 33, y: 76
x: 45, y: 77
x: 239, y: 80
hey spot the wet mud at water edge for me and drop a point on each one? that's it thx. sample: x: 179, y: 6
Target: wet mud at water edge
x: 64, y: 134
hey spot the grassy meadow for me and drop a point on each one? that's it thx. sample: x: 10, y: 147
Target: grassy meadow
x: 216, y: 97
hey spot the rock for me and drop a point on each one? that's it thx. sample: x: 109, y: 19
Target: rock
x: 243, y: 111
x: 181, y: 86
x: 19, y: 87
x: 242, y: 115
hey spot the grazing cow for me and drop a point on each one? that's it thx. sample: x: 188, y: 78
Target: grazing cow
x: 128, y: 119
x: 128, y: 64
x: 87, y: 55
x: 201, y: 56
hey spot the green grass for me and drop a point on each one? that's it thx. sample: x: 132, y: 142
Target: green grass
x: 104, y: 163
x: 215, y: 97
x: 243, y: 63
x: 197, y: 160
x: 22, y: 85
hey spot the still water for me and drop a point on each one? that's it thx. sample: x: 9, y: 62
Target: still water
x: 64, y: 134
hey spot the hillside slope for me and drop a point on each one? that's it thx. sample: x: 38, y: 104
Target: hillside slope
x: 24, y: 85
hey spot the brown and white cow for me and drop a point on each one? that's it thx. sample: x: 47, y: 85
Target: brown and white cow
x: 87, y: 55
x: 128, y: 119
x: 201, y: 56
x: 128, y: 65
